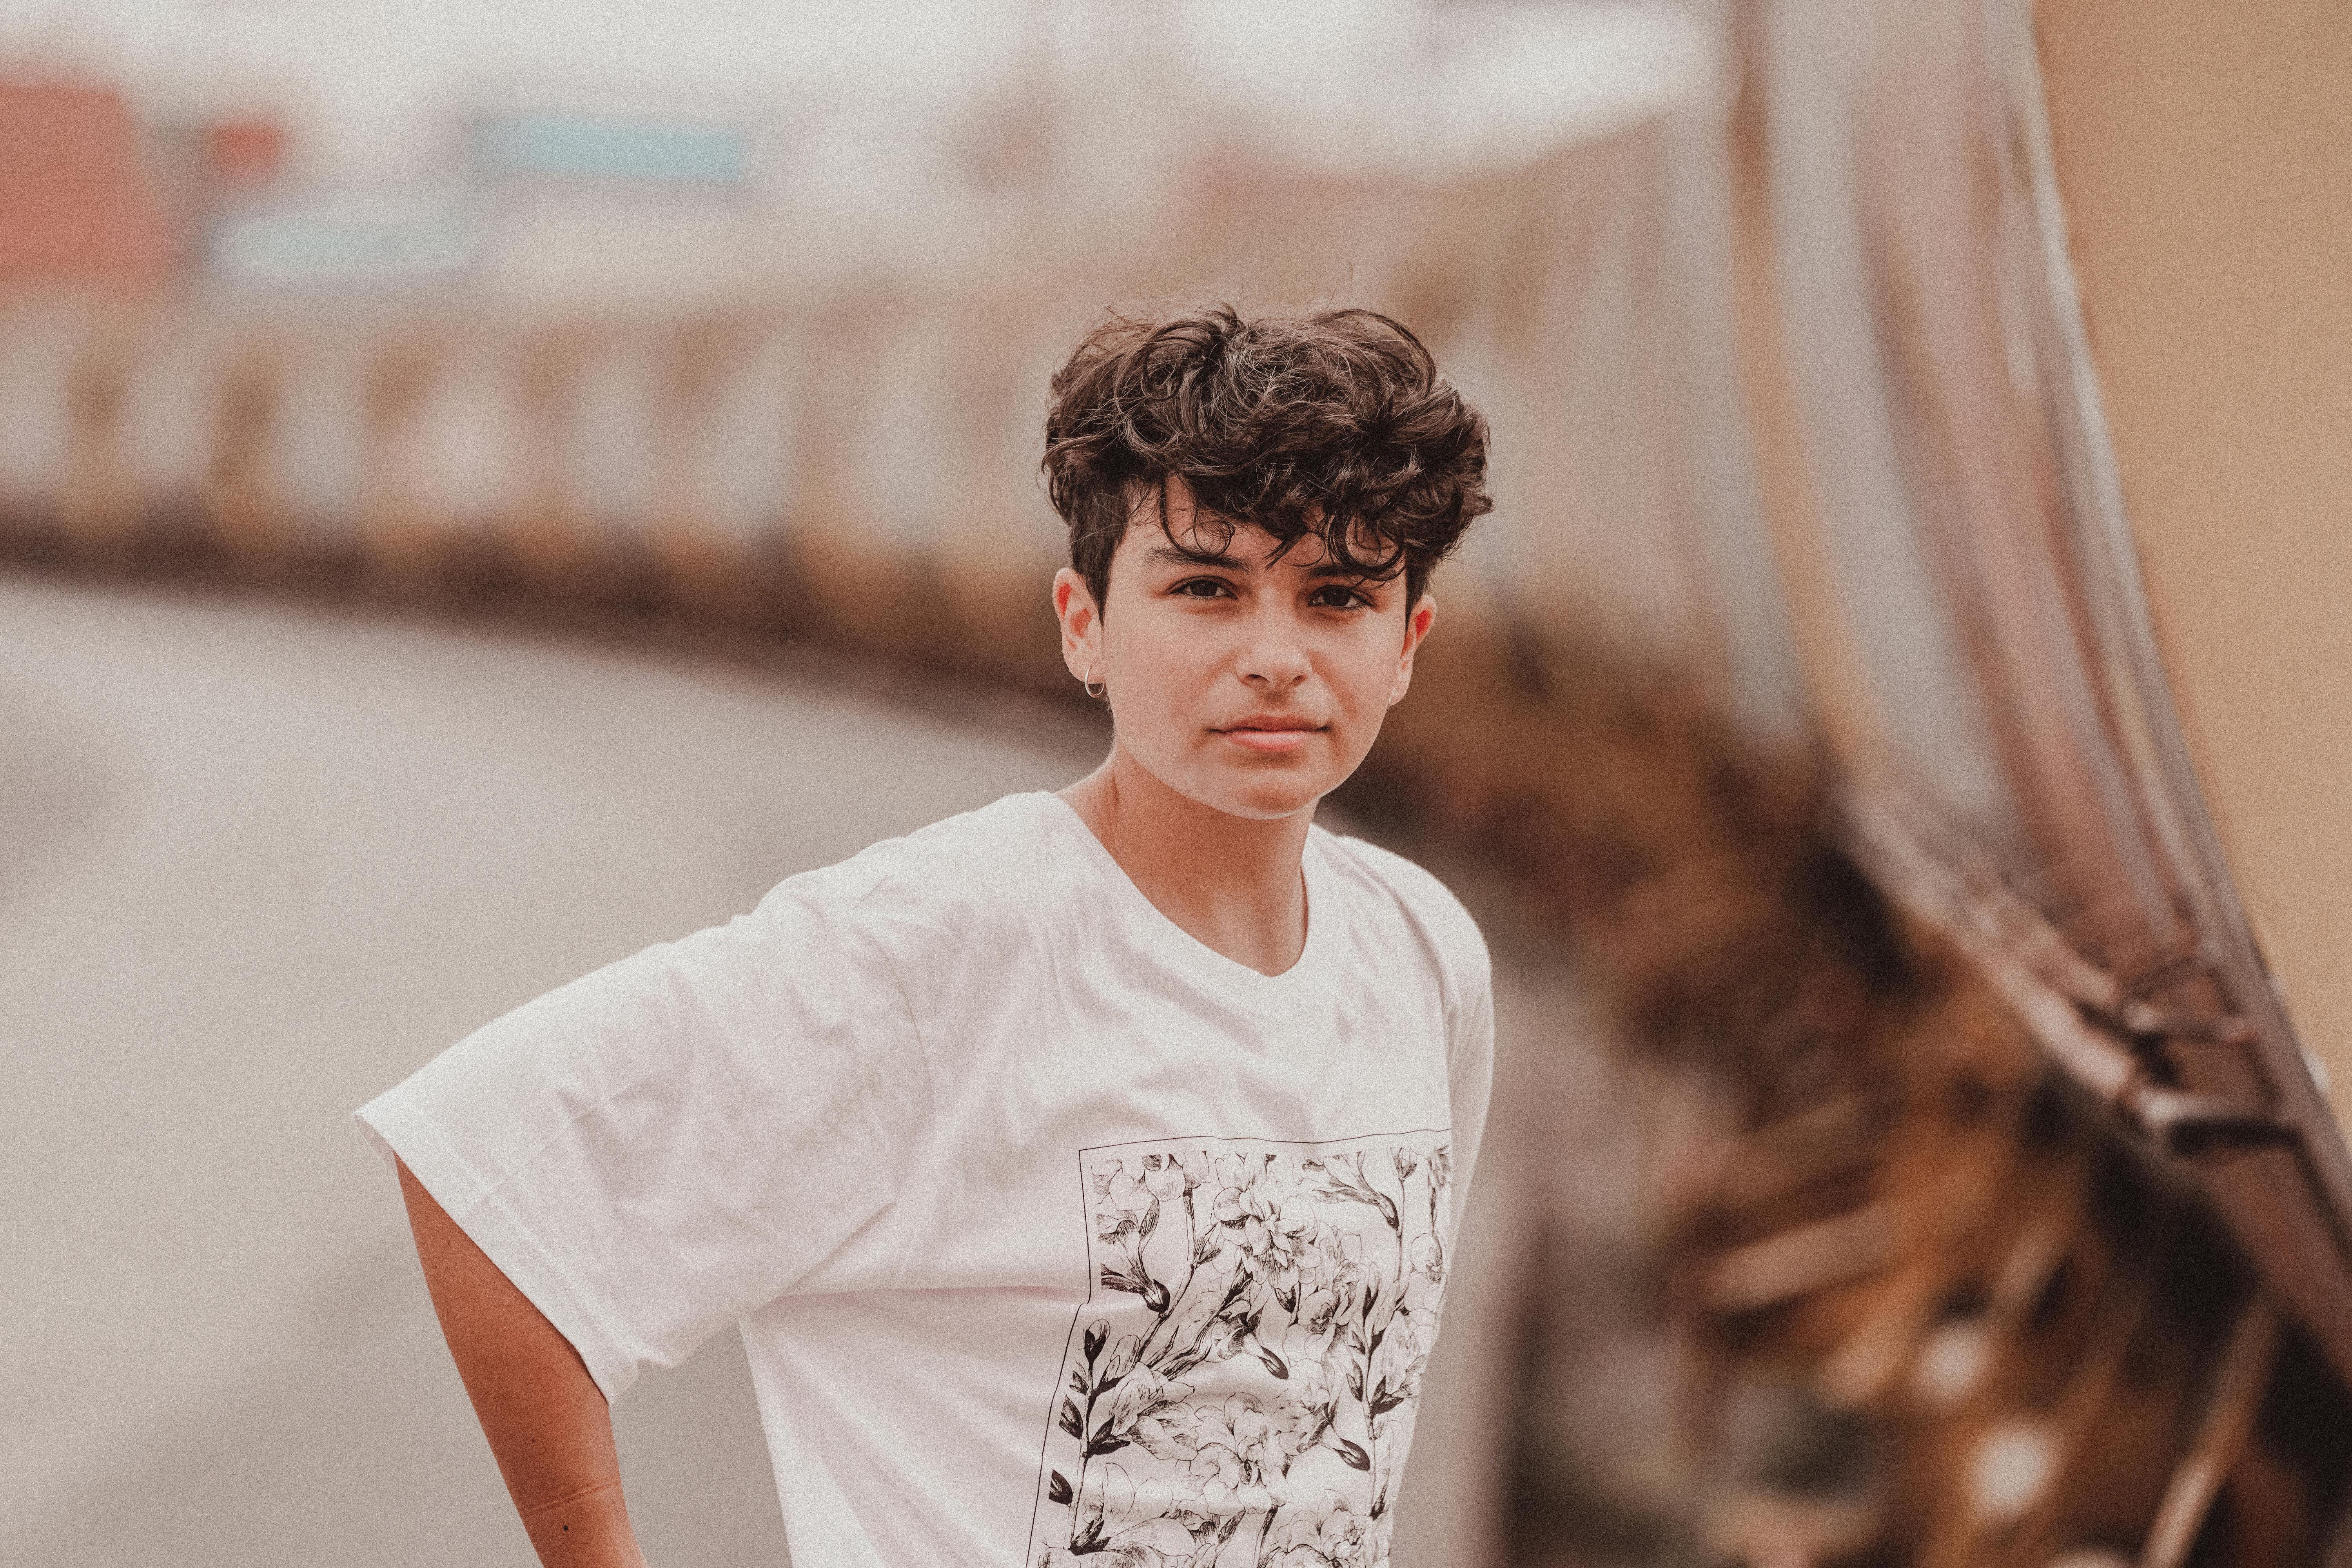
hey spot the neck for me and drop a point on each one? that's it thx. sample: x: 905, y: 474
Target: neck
x: 1232, y: 883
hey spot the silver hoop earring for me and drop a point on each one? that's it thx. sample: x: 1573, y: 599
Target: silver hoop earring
x: 1094, y: 688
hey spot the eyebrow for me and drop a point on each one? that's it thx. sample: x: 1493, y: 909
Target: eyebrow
x: 1165, y: 554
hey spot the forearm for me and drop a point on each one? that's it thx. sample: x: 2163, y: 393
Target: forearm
x: 587, y: 1527
x: 545, y: 1418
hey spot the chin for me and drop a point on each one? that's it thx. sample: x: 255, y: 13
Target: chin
x: 1263, y: 799
x: 1262, y: 790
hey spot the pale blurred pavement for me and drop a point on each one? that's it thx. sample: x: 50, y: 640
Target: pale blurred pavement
x: 258, y: 862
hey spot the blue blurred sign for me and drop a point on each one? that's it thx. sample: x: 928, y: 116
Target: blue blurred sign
x: 612, y: 147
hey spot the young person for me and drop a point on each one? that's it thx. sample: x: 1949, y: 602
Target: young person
x: 1083, y: 1171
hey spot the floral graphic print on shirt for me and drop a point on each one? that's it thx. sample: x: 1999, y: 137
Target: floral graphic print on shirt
x: 1239, y: 1388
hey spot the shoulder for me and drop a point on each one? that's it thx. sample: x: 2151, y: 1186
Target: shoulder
x: 959, y: 875
x: 1389, y: 883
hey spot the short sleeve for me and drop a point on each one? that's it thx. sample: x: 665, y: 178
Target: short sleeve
x: 664, y: 1146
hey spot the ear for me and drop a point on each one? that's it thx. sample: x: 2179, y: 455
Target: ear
x: 1416, y: 626
x: 1074, y: 606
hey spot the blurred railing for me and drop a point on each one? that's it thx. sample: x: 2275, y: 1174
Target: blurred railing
x: 858, y: 463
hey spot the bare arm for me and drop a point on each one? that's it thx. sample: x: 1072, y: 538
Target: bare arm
x: 544, y: 1416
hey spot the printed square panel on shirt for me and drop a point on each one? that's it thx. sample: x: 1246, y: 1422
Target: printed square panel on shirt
x: 1240, y: 1385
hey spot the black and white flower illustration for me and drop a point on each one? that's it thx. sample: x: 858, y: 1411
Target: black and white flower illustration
x: 1239, y: 1388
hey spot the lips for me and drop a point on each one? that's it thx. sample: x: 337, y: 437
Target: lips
x: 1269, y: 733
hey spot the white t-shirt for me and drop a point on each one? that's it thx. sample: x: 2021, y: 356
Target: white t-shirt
x: 1049, y: 1230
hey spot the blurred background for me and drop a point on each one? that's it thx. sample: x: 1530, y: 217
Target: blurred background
x: 483, y: 491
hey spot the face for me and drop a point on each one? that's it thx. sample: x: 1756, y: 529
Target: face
x: 1246, y: 684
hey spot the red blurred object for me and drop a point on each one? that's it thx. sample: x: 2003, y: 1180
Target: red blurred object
x: 75, y: 205
x: 242, y: 154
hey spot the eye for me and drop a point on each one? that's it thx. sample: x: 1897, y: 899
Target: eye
x: 1201, y: 588
x: 1333, y: 596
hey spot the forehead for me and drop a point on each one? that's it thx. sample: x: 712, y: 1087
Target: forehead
x: 1165, y: 520
x: 1196, y: 540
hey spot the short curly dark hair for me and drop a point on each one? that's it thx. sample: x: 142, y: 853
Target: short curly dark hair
x: 1333, y: 422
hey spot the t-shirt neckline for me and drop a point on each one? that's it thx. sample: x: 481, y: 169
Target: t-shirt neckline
x: 1214, y: 973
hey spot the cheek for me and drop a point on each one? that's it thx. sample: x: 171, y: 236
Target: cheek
x: 1157, y: 672
x: 1365, y: 673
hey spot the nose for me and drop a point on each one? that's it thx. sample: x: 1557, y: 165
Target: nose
x: 1273, y: 658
